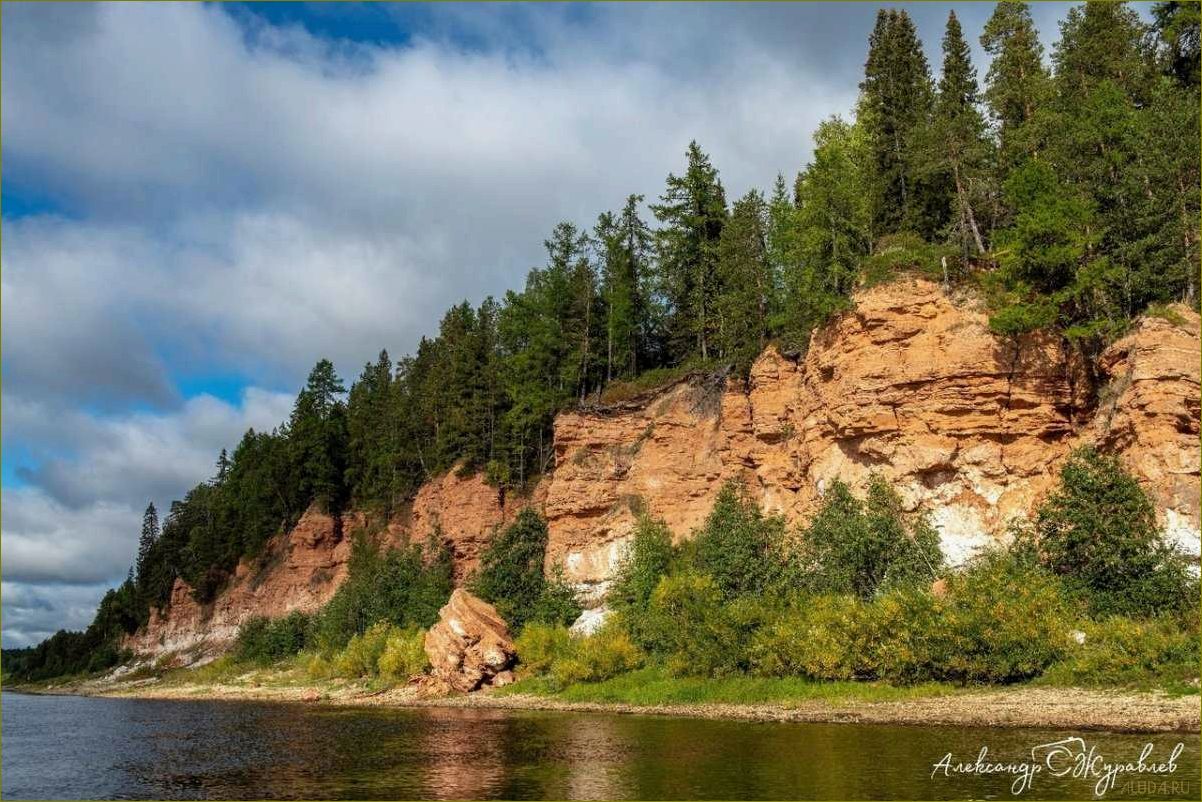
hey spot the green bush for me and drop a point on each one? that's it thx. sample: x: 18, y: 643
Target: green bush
x: 906, y: 252
x: 361, y: 657
x: 264, y: 641
x: 511, y: 576
x: 859, y: 548
x: 738, y: 545
x: 1098, y: 531
x: 405, y: 587
x: 404, y: 654
x: 600, y: 656
x: 1124, y: 651
x: 1002, y: 621
x: 557, y: 604
x: 540, y: 645
x: 696, y: 631
x: 826, y: 638
x: 648, y: 559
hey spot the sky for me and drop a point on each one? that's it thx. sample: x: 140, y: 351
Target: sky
x: 202, y: 200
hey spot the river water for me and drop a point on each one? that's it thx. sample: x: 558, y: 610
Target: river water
x: 78, y: 748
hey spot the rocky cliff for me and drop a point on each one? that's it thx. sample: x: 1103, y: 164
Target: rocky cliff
x: 910, y: 384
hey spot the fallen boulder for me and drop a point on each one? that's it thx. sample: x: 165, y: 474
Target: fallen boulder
x: 470, y: 645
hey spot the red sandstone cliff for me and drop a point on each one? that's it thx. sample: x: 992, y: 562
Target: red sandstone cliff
x: 911, y: 384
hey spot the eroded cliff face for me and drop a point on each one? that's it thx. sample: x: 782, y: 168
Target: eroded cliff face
x: 301, y: 570
x: 911, y: 384
x: 297, y: 571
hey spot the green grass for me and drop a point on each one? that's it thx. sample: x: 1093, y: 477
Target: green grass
x: 654, y: 686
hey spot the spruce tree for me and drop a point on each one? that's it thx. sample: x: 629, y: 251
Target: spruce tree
x: 693, y: 212
x: 958, y: 133
x: 317, y: 436
x: 895, y: 104
x: 146, y: 541
x: 624, y: 242
x: 746, y: 281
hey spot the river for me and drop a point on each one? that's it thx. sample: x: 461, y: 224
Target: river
x: 78, y: 748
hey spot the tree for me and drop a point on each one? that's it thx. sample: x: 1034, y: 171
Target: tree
x: 317, y: 434
x: 1017, y: 84
x: 747, y: 287
x: 832, y: 230
x: 956, y: 137
x: 895, y: 103
x: 371, y: 472
x: 149, y: 536
x: 862, y: 547
x: 693, y: 212
x: 624, y: 242
x: 1098, y: 530
x: 1177, y: 27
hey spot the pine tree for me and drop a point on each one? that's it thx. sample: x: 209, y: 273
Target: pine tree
x: 1102, y: 42
x: 693, y: 212
x: 1017, y: 85
x: 146, y: 542
x: 223, y: 467
x: 1177, y: 27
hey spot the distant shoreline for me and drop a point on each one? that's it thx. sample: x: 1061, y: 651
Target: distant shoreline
x: 1120, y: 711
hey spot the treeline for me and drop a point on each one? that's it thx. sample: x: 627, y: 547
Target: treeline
x: 1069, y: 197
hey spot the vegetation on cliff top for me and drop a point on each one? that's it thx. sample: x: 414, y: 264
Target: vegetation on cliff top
x: 1070, y: 197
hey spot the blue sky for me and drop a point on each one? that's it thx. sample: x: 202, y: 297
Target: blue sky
x: 200, y: 201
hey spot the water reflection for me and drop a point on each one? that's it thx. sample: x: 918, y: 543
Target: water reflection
x: 67, y: 747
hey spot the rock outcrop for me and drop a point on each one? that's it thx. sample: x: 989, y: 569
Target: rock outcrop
x: 469, y: 647
x: 911, y: 383
x: 297, y: 571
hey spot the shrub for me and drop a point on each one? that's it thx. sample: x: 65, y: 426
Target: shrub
x: 1124, y: 651
x: 511, y: 569
x: 264, y: 641
x: 853, y: 547
x: 907, y: 252
x: 906, y: 636
x: 824, y: 639
x: 539, y: 645
x: 697, y: 634
x: 648, y: 559
x: 600, y: 656
x: 361, y: 656
x: 737, y: 546
x: 405, y: 587
x: 557, y: 604
x: 404, y: 654
x: 1098, y: 530
x: 1002, y: 621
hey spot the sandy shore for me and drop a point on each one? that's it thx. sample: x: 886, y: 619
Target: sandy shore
x: 1055, y: 708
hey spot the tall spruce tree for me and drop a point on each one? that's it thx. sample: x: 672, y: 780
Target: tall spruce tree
x: 957, y: 139
x: 895, y: 104
x: 747, y: 287
x: 624, y: 243
x: 146, y: 542
x: 317, y: 436
x: 693, y: 212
